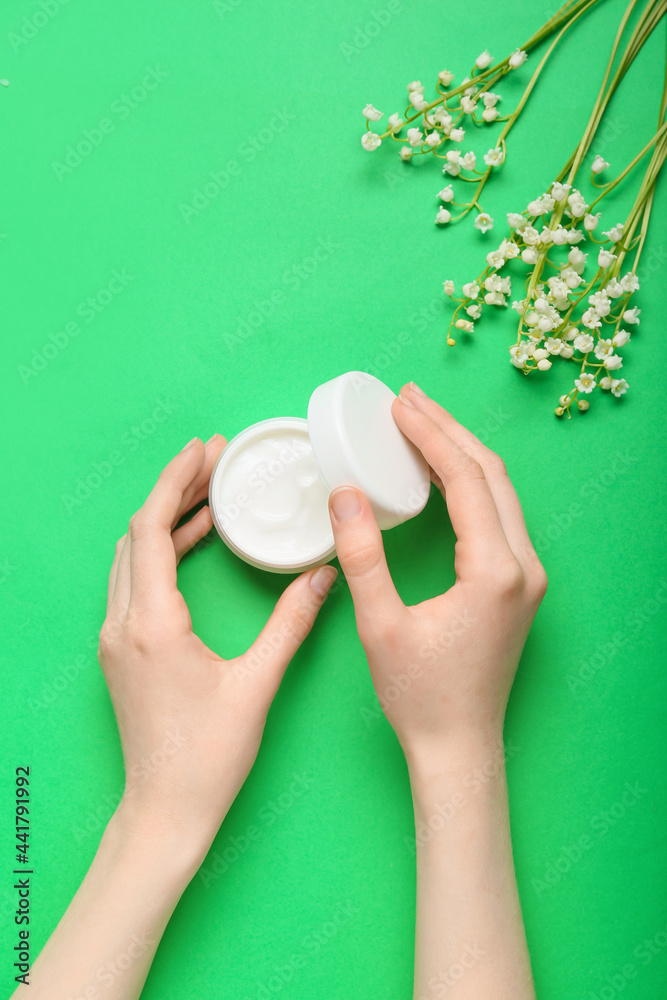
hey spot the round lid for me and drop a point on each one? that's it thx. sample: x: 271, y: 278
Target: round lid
x: 357, y: 443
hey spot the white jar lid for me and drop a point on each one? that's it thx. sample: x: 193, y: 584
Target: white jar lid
x: 356, y: 442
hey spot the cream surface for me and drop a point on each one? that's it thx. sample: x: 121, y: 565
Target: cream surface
x: 270, y: 498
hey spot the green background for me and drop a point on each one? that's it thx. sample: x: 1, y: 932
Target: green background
x: 587, y: 711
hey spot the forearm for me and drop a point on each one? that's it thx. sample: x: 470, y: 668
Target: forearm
x: 470, y: 939
x: 103, y: 947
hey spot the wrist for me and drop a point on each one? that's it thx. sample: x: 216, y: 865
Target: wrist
x: 157, y: 842
x: 461, y: 759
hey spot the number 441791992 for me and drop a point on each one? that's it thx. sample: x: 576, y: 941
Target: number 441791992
x: 22, y: 812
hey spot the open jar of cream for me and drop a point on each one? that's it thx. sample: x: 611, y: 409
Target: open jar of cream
x: 270, y: 487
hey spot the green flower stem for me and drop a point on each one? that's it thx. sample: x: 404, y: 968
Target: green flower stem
x: 494, y: 73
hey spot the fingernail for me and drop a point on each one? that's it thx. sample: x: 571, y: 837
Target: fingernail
x: 406, y: 402
x: 210, y: 439
x: 415, y: 388
x: 189, y: 444
x: 345, y: 503
x: 322, y: 580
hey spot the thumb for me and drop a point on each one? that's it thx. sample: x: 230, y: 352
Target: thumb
x: 290, y: 622
x: 361, y: 554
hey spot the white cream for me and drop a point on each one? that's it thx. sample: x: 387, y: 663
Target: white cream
x: 268, y: 498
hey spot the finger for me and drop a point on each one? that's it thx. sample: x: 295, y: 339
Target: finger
x: 289, y: 624
x: 120, y: 596
x: 189, y: 534
x: 114, y: 569
x: 153, y: 559
x: 502, y: 490
x: 470, y: 503
x: 198, y: 491
x: 361, y: 554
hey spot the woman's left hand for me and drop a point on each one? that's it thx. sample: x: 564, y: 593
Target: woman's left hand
x: 190, y: 722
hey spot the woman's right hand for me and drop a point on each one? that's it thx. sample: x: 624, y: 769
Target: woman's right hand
x: 443, y: 669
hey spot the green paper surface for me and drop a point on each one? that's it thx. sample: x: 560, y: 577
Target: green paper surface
x: 224, y: 246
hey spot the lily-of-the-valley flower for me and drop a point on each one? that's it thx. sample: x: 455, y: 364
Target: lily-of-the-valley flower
x: 586, y: 382
x: 559, y: 191
x: 405, y: 154
x: 372, y: 113
x: 615, y: 233
x: 370, y: 141
x: 395, y: 122
x: 456, y: 135
x: 514, y: 220
x: 484, y: 59
x: 599, y: 164
x: 415, y: 137
x: 618, y: 386
x: 613, y: 361
x: 484, y: 222
x: 443, y: 216
x: 490, y: 114
x: 591, y: 221
x: 468, y: 105
x: 584, y: 343
x: 468, y: 161
x: 445, y: 77
x: 620, y: 338
x: 471, y: 290
x: 447, y: 193
x: 631, y: 315
x: 517, y: 58
x: 630, y: 282
x: 417, y: 101
x: 603, y: 349
x: 448, y: 287
x: 433, y: 139
x: 494, y: 157
x: 605, y: 258
x: 465, y: 325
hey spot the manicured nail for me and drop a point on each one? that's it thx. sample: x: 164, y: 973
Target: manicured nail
x: 406, y: 402
x: 345, y: 503
x: 415, y: 388
x: 189, y: 444
x: 322, y: 580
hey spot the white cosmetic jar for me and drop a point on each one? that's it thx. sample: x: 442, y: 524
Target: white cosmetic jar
x: 269, y: 489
